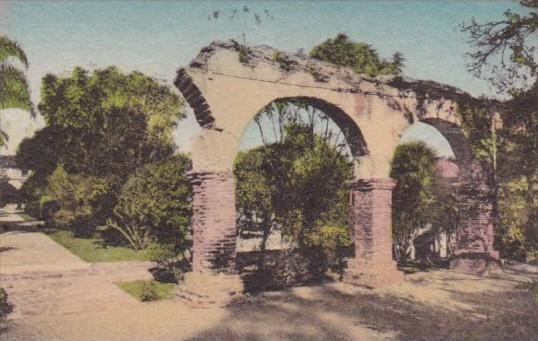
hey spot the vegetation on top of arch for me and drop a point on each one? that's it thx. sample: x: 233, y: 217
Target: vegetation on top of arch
x: 362, y: 58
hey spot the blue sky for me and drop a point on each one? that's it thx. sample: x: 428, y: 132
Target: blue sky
x: 159, y: 36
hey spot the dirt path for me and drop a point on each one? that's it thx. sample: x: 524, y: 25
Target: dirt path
x: 82, y: 303
x: 42, y: 278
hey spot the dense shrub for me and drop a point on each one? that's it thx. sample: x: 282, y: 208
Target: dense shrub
x: 155, y: 204
x: 8, y: 193
x: 5, y: 307
x: 76, y: 201
x: 3, y: 182
x: 285, y: 268
x: 417, y: 200
x: 100, y: 128
x: 298, y: 187
x: 171, y: 262
x: 149, y: 292
x: 360, y: 57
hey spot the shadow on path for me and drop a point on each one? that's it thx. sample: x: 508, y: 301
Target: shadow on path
x: 331, y: 313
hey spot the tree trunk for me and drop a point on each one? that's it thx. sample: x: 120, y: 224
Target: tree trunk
x: 263, y: 245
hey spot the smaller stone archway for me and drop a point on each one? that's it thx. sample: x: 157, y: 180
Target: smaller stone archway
x: 226, y: 91
x: 473, y: 239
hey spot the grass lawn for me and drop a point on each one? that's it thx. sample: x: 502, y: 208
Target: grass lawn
x: 157, y: 290
x: 26, y: 217
x: 93, y: 251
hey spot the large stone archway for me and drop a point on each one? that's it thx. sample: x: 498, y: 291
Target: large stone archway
x: 226, y: 92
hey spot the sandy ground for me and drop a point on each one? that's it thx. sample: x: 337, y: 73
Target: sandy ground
x: 83, y: 303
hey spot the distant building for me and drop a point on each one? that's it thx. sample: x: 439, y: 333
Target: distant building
x: 8, y: 168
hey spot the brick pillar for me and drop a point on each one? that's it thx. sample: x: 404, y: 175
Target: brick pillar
x: 212, y: 281
x: 371, y: 219
x: 214, y: 218
x: 473, y: 250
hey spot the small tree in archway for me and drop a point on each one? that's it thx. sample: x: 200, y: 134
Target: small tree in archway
x: 298, y: 186
x: 417, y: 201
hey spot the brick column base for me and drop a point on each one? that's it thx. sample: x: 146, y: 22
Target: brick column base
x: 371, y: 218
x: 207, y: 289
x: 473, y: 246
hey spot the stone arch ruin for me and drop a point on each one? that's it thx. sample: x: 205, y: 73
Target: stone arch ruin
x: 226, y: 87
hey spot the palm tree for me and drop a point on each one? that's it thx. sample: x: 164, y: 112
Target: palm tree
x: 14, y: 89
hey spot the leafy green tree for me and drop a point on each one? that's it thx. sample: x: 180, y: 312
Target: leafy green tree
x: 75, y: 199
x: 481, y: 129
x: 155, y: 204
x: 313, y: 179
x: 505, y: 54
x: 360, y: 57
x: 505, y: 50
x: 41, y: 154
x: 417, y: 200
x: 518, y: 173
x: 112, y: 123
x: 100, y: 128
x: 14, y: 89
x: 298, y: 186
x: 254, y: 197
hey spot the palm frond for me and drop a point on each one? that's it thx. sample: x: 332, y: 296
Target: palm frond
x: 14, y: 89
x: 10, y: 48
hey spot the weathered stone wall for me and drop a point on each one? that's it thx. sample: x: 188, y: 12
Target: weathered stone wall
x: 226, y: 93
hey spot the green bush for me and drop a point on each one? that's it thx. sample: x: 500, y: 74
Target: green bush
x: 168, y: 261
x: 288, y: 268
x: 148, y: 293
x: 298, y: 187
x: 360, y: 57
x: 5, y: 307
x: 3, y: 182
x: 32, y: 208
x: 8, y: 193
x: 48, y: 206
x: 284, y: 61
x: 417, y: 199
x: 101, y: 126
x: 157, y: 198
x: 64, y: 218
x: 244, y: 54
x: 73, y: 201
x: 43, y: 208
